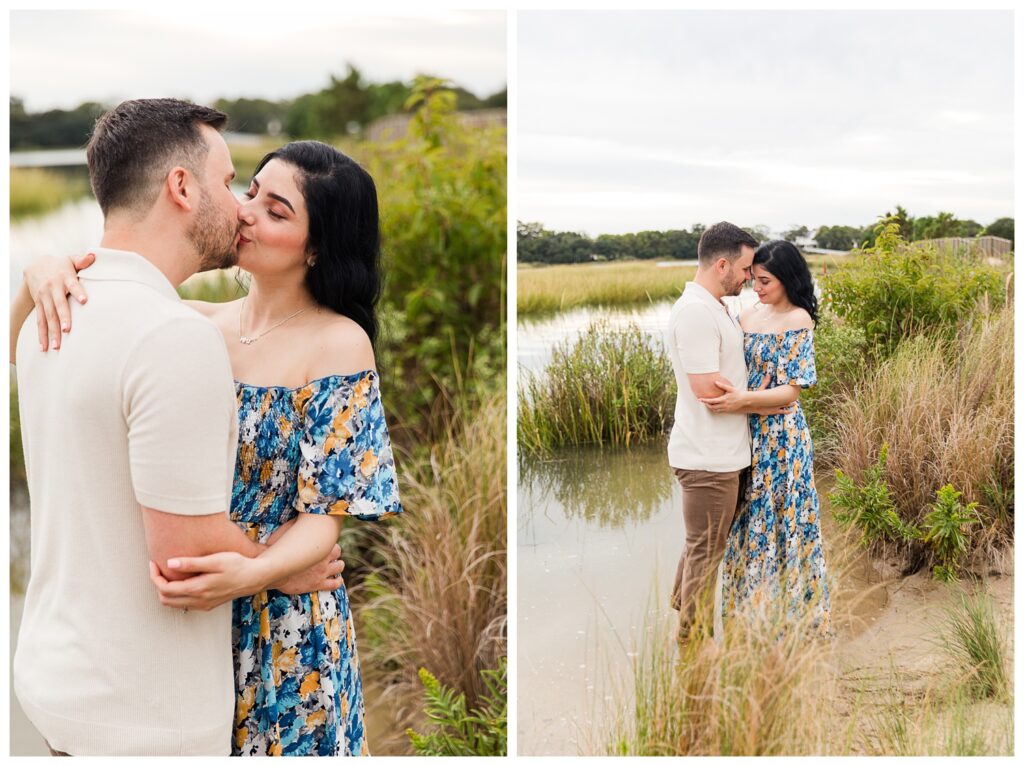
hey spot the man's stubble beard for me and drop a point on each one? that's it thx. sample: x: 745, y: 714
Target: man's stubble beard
x: 213, y: 237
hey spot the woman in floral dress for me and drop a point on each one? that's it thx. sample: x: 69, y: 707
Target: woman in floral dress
x: 313, y: 447
x: 773, y: 558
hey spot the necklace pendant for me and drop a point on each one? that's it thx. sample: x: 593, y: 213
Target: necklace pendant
x: 247, y: 341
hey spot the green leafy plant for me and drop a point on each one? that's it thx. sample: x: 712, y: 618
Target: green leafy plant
x: 898, y: 289
x: 458, y: 731
x: 868, y: 505
x: 946, y: 530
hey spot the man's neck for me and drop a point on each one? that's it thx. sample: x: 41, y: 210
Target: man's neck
x: 707, y: 280
x: 160, y: 247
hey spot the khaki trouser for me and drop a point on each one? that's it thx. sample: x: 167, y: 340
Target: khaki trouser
x: 710, y: 502
x: 54, y: 752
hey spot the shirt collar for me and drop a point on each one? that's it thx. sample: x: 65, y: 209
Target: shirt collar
x: 126, y: 266
x: 701, y: 293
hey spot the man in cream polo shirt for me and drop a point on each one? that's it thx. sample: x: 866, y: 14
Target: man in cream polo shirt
x: 709, y: 452
x: 129, y: 433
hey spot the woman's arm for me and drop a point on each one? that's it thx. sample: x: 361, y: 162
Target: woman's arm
x: 302, y: 560
x: 762, y: 401
x: 46, y: 285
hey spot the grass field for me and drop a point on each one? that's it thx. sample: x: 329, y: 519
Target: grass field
x: 550, y: 289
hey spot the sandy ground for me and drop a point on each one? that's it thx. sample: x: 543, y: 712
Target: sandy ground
x: 888, y: 626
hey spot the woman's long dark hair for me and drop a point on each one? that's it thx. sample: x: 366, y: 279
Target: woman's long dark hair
x: 344, y: 230
x: 787, y: 264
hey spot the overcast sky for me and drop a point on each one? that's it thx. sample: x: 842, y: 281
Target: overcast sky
x: 658, y: 120
x: 62, y: 58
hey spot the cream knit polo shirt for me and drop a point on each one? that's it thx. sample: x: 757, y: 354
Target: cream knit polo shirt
x: 704, y: 337
x: 136, y: 408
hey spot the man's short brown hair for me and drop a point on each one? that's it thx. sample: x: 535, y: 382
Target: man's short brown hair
x: 723, y: 240
x: 135, y: 145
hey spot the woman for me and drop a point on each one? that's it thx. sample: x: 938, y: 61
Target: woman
x: 773, y: 558
x: 313, y: 445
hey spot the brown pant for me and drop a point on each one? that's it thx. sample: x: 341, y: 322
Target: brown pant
x: 710, y: 501
x: 54, y: 752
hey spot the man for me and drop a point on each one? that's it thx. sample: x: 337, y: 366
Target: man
x: 709, y: 452
x: 130, y: 438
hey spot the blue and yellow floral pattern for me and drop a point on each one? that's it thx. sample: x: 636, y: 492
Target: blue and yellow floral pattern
x: 321, y: 448
x: 773, y: 558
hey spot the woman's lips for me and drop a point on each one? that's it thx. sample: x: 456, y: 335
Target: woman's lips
x: 243, y: 241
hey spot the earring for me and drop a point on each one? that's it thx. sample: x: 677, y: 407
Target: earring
x: 311, y: 262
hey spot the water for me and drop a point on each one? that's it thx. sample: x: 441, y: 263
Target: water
x: 536, y: 338
x: 599, y: 535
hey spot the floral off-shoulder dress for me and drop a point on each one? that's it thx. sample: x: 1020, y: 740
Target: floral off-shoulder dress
x: 321, y: 448
x: 773, y: 558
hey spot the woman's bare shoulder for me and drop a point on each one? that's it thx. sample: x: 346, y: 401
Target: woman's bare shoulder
x: 339, y: 346
x: 798, y: 319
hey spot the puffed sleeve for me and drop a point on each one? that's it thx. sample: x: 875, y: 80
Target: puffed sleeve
x: 346, y: 466
x: 796, y: 359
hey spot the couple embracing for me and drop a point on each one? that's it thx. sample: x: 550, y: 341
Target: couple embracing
x: 740, y: 446
x: 189, y: 464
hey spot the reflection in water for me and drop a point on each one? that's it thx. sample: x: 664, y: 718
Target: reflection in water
x: 608, y: 487
x: 600, y: 533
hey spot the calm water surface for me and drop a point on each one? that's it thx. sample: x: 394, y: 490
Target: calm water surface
x: 599, y: 535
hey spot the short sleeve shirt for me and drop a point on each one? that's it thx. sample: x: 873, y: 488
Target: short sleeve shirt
x: 703, y: 337
x: 137, y: 408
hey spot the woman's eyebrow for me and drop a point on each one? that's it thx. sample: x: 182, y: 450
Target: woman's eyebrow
x: 278, y: 197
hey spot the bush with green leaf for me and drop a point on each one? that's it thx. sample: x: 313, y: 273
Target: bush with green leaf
x: 946, y: 531
x: 868, y: 506
x: 895, y: 290
x: 443, y: 229
x: 483, y: 730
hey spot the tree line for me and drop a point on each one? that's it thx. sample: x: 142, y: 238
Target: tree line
x: 536, y: 244
x: 345, y: 106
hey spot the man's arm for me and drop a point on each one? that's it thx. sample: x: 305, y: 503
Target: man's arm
x: 171, y: 535
x: 760, y: 401
x: 304, y: 559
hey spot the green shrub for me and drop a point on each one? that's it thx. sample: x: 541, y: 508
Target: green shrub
x: 945, y: 530
x: 458, y: 731
x: 443, y: 230
x: 610, y: 386
x: 897, y: 289
x: 868, y: 505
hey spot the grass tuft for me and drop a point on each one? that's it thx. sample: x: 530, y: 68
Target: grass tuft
x: 610, y: 386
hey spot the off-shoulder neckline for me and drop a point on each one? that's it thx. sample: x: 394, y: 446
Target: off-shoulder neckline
x: 343, y: 376
x: 781, y: 332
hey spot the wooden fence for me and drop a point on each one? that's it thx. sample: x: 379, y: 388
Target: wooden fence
x: 985, y: 247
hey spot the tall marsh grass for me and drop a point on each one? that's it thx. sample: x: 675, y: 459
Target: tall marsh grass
x: 945, y: 410
x: 35, y: 191
x: 759, y: 692
x: 976, y: 643
x: 610, y: 386
x: 767, y: 689
x: 549, y: 289
x: 439, y: 599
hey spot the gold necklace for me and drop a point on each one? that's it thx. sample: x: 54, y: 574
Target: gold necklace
x: 245, y: 339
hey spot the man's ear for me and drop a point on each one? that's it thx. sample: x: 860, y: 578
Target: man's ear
x: 180, y: 189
